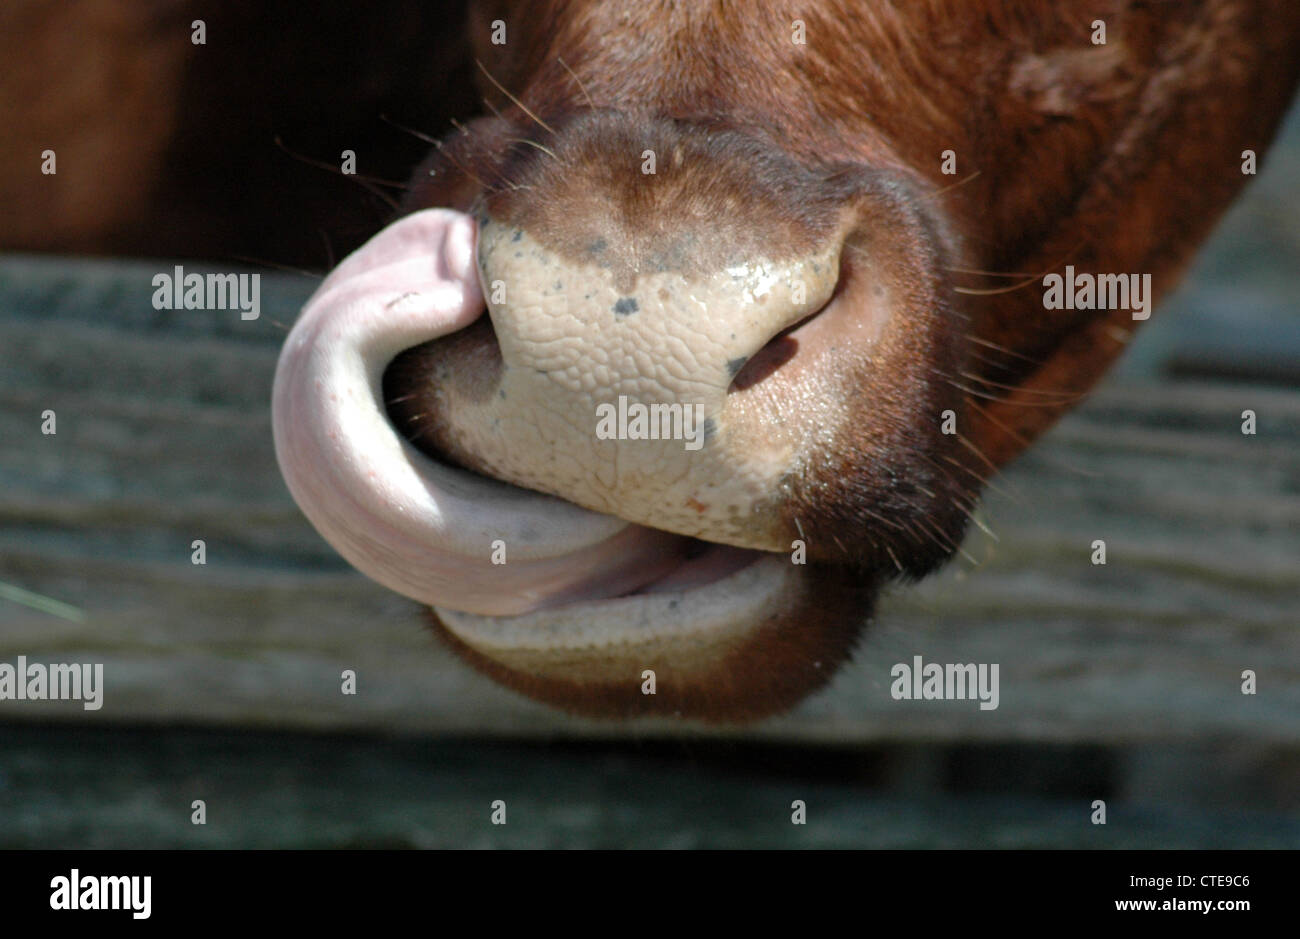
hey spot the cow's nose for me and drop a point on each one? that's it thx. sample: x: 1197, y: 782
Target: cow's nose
x: 599, y: 326
x: 604, y: 373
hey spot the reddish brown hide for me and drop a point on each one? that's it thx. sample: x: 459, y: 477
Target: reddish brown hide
x: 975, y: 147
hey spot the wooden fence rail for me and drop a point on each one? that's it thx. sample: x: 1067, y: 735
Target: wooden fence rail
x: 163, y: 437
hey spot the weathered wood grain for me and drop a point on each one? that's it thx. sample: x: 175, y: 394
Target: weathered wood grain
x: 164, y: 438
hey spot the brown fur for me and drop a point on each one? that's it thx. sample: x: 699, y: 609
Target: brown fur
x: 1114, y: 158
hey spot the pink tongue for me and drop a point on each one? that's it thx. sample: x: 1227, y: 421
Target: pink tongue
x: 421, y: 528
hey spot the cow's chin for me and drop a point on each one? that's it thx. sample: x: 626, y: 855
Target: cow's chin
x: 745, y: 646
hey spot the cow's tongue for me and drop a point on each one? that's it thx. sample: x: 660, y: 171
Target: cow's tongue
x: 419, y: 527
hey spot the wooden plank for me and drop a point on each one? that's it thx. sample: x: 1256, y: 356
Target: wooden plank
x: 164, y: 437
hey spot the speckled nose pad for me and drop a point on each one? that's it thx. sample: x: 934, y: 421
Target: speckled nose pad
x: 612, y: 390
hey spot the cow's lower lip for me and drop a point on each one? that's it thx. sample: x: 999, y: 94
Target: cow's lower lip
x: 740, y: 648
x: 672, y: 613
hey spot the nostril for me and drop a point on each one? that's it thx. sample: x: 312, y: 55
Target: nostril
x: 781, y: 348
x: 764, y: 362
x: 466, y: 363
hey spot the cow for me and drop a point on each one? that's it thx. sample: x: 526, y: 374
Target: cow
x: 721, y: 316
